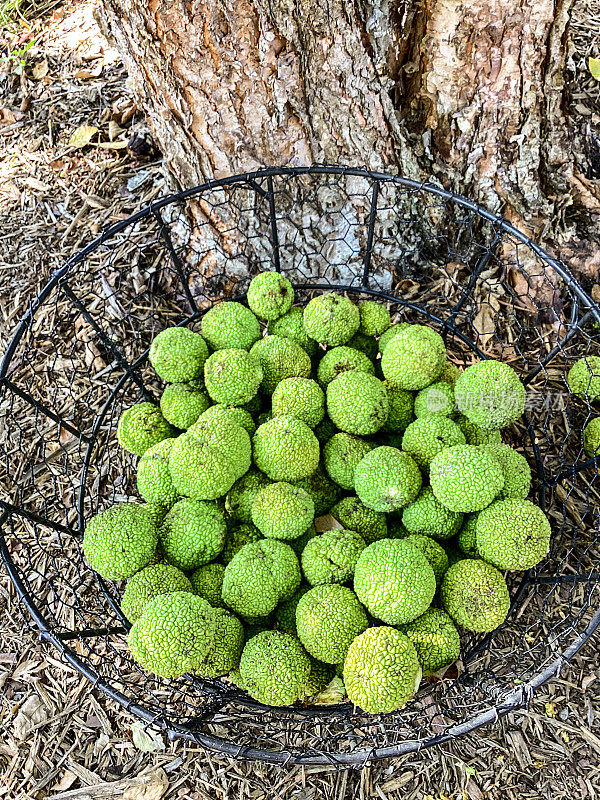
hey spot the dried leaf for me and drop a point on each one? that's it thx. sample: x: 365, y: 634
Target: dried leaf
x: 594, y: 65
x: 484, y: 323
x: 31, y: 713
x: 82, y: 136
x: 86, y: 74
x: 112, y: 145
x: 146, y: 740
x: 40, y: 69
x: 154, y: 789
x: 7, y: 116
x: 327, y: 523
x: 38, y: 186
x: 114, y: 129
x: 332, y: 694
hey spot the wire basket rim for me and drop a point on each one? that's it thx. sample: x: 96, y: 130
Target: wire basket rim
x: 519, y: 698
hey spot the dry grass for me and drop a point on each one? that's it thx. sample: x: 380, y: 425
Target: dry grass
x: 62, y: 739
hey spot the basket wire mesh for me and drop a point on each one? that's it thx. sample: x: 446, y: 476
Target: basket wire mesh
x: 79, y: 358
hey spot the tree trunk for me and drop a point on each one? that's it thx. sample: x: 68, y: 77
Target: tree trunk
x: 472, y: 94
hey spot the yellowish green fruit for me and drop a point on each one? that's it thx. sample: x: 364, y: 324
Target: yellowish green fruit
x: 328, y: 619
x: 142, y: 426
x: 475, y: 595
x: 260, y: 576
x: 394, y: 581
x: 465, y: 478
x: 230, y: 324
x: 381, y: 670
x: 274, y: 668
x: 174, y: 634
x: 120, y: 541
x: 148, y: 583
x: 178, y: 354
x: 192, y: 534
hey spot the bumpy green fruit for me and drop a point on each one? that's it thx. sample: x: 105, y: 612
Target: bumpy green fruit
x: 228, y: 438
x: 193, y: 533
x: 323, y: 491
x: 235, y: 413
x: 232, y: 376
x: 396, y: 529
x: 341, y: 455
x: 154, y: 480
x: 230, y: 324
x: 413, y: 358
x: 270, y: 295
x: 490, y: 394
x: 365, y: 344
x: 328, y: 618
x: 374, y: 318
x: 591, y: 437
x: 325, y: 430
x: 428, y: 516
x: 225, y: 650
x: 342, y: 359
x: 157, y: 512
x: 282, y: 511
x: 286, y: 449
x: 394, y: 580
x: 207, y: 582
x: 584, y: 377
x: 120, y: 541
x: 355, y: 516
x: 259, y: 577
x: 237, y: 537
x: 435, y: 638
x: 331, y: 319
x: 199, y: 470
x: 475, y: 595
x: 467, y: 536
x: 400, y: 414
x: 280, y: 358
x: 238, y: 502
x: 300, y: 543
x: 381, y: 670
x: 274, y: 668
x: 391, y: 333
x: 449, y: 373
x: 437, y: 398
x: 285, y: 615
x: 427, y: 436
x: 320, y: 675
x: 181, y: 404
x: 465, y: 478
x: 387, y: 479
x: 331, y: 557
x: 513, y: 534
x: 149, y: 583
x: 476, y: 435
x: 433, y: 552
x: 291, y: 326
x: 515, y: 469
x: 141, y: 426
x: 174, y: 634
x: 301, y: 398
x: 357, y: 403
x: 178, y: 354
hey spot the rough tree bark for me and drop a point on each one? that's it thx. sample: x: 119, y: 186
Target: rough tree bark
x: 472, y: 93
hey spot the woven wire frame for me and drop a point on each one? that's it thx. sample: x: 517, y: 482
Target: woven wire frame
x: 79, y: 358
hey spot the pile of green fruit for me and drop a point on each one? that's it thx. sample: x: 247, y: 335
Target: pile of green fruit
x: 332, y: 413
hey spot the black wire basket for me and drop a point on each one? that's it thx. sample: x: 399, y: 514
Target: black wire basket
x: 79, y: 358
